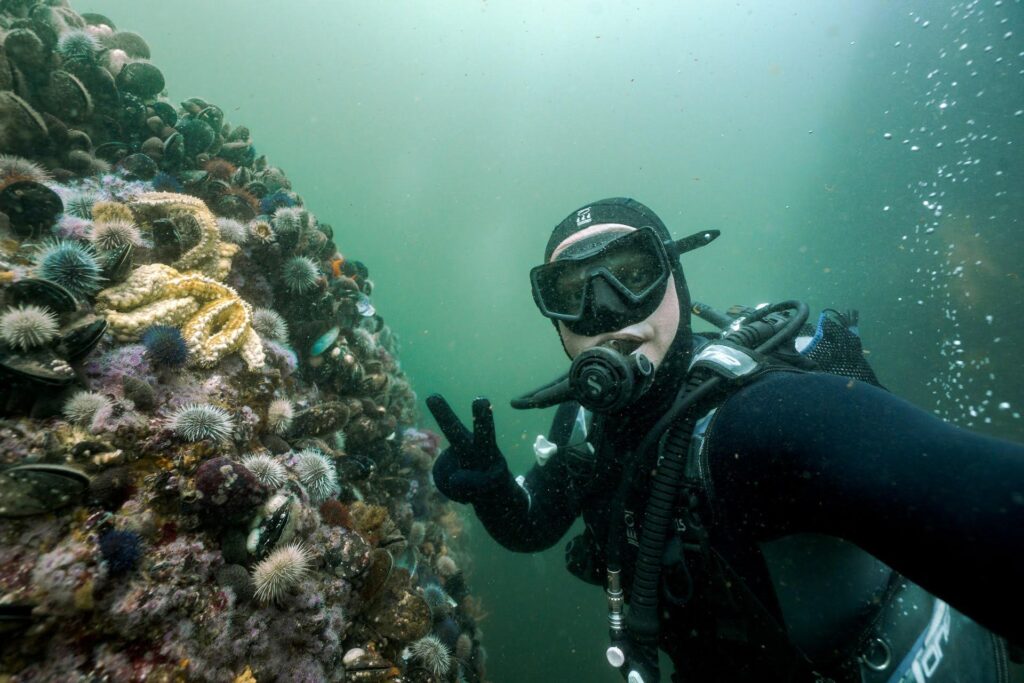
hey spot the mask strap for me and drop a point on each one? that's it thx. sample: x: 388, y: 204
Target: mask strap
x: 694, y: 241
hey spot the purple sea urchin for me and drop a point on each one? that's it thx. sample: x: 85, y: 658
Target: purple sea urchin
x: 281, y: 571
x: 28, y: 326
x: 199, y: 421
x: 279, y: 415
x: 299, y: 274
x: 269, y: 324
x: 82, y: 407
x: 121, y: 551
x: 432, y: 654
x: 165, y: 346
x: 267, y: 469
x: 317, y: 473
x: 71, y: 265
x: 111, y: 235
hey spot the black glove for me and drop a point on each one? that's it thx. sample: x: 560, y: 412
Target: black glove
x: 472, y: 466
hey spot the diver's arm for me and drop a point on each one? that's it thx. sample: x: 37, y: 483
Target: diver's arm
x: 818, y: 453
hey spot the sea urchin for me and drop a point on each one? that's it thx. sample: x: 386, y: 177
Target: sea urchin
x: 279, y: 415
x: 71, y: 265
x: 199, y: 421
x: 267, y: 469
x: 299, y: 274
x: 269, y: 324
x: 316, y: 472
x: 432, y: 654
x: 26, y: 327
x: 165, y: 346
x: 82, y: 407
x: 281, y: 571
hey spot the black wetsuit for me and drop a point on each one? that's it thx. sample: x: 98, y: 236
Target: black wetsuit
x: 795, y: 462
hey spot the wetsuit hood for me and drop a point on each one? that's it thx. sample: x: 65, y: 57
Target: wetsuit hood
x: 626, y: 211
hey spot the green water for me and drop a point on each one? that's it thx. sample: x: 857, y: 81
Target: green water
x: 442, y: 140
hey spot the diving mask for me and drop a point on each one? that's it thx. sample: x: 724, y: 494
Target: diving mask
x: 605, y: 282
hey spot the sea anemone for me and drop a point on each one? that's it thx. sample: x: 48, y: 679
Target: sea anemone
x: 281, y: 571
x: 432, y: 654
x: 269, y: 324
x: 261, y: 231
x: 165, y: 346
x: 316, y: 472
x: 232, y: 231
x: 463, y: 647
x: 13, y: 167
x: 267, y: 469
x: 71, y: 265
x: 28, y: 326
x: 279, y: 415
x: 111, y: 235
x: 121, y: 551
x: 299, y: 274
x: 82, y: 407
x: 199, y: 421
x: 78, y: 47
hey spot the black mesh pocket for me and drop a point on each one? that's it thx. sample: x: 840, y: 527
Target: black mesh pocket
x: 836, y: 348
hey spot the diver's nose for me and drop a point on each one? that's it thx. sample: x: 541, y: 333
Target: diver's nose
x: 606, y: 298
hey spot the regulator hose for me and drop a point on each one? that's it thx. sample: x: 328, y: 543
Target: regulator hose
x: 641, y: 621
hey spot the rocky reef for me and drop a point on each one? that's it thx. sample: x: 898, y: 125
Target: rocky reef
x: 210, y: 464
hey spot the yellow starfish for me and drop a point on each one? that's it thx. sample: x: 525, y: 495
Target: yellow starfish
x: 214, y: 320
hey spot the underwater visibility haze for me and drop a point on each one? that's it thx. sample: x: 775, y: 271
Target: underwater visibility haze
x: 854, y: 155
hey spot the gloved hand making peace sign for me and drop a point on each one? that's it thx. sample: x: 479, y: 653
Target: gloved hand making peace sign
x: 472, y: 466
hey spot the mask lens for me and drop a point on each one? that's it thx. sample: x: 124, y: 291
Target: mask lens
x: 633, y: 261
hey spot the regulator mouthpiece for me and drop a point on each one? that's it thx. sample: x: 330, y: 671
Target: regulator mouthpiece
x: 600, y: 379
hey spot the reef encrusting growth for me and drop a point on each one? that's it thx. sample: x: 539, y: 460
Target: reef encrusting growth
x: 210, y: 467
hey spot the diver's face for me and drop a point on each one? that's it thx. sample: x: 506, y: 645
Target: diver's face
x: 653, y: 334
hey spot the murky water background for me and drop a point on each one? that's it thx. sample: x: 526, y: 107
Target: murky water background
x: 854, y: 154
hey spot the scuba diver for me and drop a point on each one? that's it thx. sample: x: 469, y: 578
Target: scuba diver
x: 755, y: 503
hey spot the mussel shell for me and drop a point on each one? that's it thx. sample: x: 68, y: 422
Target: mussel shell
x: 142, y: 79
x: 271, y: 528
x: 96, y: 19
x: 112, y: 152
x: 324, y: 341
x: 166, y: 112
x: 118, y: 263
x: 354, y: 467
x: 66, y: 96
x: 174, y: 151
x: 35, y: 489
x: 40, y: 367
x: 166, y: 240
x: 31, y: 207
x: 42, y: 292
x: 83, y: 338
x: 378, y: 573
x: 139, y: 165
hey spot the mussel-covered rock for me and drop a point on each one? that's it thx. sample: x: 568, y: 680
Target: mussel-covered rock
x: 322, y: 418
